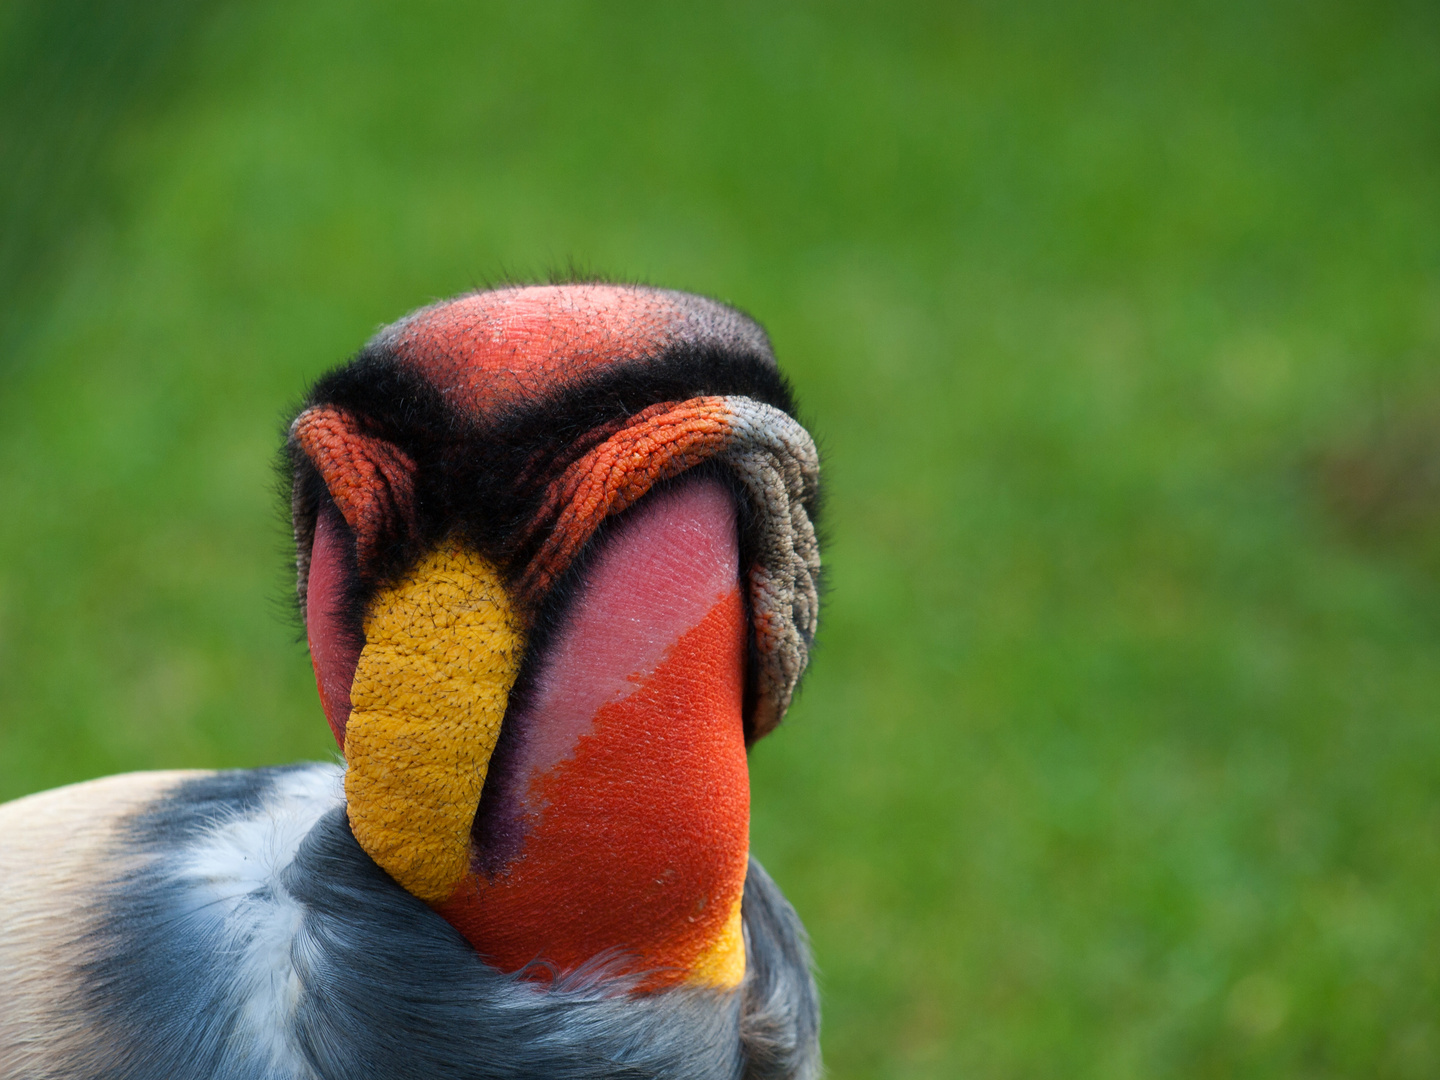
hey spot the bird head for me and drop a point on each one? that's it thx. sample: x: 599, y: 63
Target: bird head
x: 558, y: 570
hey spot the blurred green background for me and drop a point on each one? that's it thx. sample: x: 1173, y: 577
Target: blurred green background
x: 1119, y: 326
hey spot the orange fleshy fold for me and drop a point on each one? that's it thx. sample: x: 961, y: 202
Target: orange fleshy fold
x: 654, y: 445
x: 369, y: 478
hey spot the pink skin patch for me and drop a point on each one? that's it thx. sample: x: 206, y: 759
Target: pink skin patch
x: 658, y: 576
x: 333, y: 652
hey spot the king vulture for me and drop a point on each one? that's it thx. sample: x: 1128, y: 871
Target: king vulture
x: 558, y: 572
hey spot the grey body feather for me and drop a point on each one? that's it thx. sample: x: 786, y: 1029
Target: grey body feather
x: 368, y: 982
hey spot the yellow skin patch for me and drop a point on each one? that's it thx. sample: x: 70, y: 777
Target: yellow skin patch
x: 442, y: 649
x: 722, y: 965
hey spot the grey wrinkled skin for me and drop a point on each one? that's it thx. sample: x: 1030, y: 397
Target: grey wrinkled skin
x: 385, y: 988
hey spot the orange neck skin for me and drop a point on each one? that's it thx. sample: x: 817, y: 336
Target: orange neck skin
x: 617, y: 830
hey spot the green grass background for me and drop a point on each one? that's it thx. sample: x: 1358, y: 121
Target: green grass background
x: 1119, y: 326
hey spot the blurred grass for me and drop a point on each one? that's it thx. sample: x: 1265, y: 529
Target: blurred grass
x: 1119, y: 324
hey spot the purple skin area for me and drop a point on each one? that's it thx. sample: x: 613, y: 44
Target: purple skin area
x: 498, y: 836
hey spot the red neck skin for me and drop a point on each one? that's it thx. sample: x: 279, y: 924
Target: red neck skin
x: 617, y: 826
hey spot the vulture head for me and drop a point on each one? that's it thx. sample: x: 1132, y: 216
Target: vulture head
x: 557, y: 566
x: 558, y: 569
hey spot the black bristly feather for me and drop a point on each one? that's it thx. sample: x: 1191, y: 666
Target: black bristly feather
x: 486, y: 475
